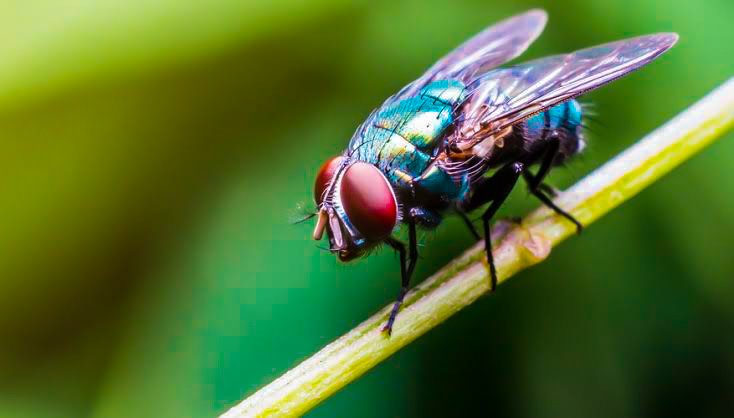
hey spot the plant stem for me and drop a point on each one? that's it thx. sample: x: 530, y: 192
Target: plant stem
x: 466, y: 278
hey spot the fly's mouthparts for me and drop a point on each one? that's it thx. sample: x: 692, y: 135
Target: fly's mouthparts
x: 318, y: 232
x: 336, y: 230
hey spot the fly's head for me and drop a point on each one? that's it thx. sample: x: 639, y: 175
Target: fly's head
x: 357, y: 206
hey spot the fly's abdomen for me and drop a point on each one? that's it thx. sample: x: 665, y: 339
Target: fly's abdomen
x: 563, y: 117
x: 563, y: 122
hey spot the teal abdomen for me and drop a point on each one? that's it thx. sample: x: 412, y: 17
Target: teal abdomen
x: 402, y: 137
x: 566, y: 116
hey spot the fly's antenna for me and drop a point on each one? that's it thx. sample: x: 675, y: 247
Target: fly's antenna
x: 302, y: 214
x: 303, y: 219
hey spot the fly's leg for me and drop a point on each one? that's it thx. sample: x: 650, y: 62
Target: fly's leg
x: 549, y: 190
x: 468, y: 223
x: 539, y: 190
x: 494, y: 189
x: 406, y: 270
x: 535, y: 182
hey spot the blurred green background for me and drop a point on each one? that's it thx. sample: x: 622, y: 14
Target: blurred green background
x: 154, y: 152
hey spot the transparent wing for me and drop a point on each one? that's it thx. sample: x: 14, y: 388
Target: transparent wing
x: 506, y: 96
x: 490, y: 48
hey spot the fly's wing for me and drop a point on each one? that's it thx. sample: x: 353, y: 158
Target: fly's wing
x: 488, y: 49
x: 506, y: 96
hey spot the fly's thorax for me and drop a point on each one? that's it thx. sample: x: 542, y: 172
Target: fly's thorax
x: 403, y: 125
x: 403, y: 137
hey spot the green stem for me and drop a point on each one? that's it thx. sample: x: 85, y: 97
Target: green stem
x: 463, y: 280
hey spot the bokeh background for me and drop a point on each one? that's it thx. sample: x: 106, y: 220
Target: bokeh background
x: 153, y: 154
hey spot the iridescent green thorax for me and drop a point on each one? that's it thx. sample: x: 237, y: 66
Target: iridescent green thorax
x: 403, y: 136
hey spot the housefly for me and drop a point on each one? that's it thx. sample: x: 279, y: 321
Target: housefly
x: 461, y: 135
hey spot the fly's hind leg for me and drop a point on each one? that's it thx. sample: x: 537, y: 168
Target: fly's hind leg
x: 494, y: 189
x: 539, y: 189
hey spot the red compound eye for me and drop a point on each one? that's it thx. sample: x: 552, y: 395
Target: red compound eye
x: 326, y: 172
x: 368, y: 201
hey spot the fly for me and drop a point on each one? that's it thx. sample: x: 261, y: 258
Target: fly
x: 459, y: 138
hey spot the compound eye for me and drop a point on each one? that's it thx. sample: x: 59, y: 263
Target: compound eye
x: 368, y: 201
x: 326, y: 173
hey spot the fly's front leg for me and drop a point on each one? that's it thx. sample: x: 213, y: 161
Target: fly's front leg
x: 539, y: 190
x: 406, y: 270
x: 494, y: 189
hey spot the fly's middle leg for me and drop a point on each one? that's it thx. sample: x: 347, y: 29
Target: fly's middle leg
x: 494, y: 189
